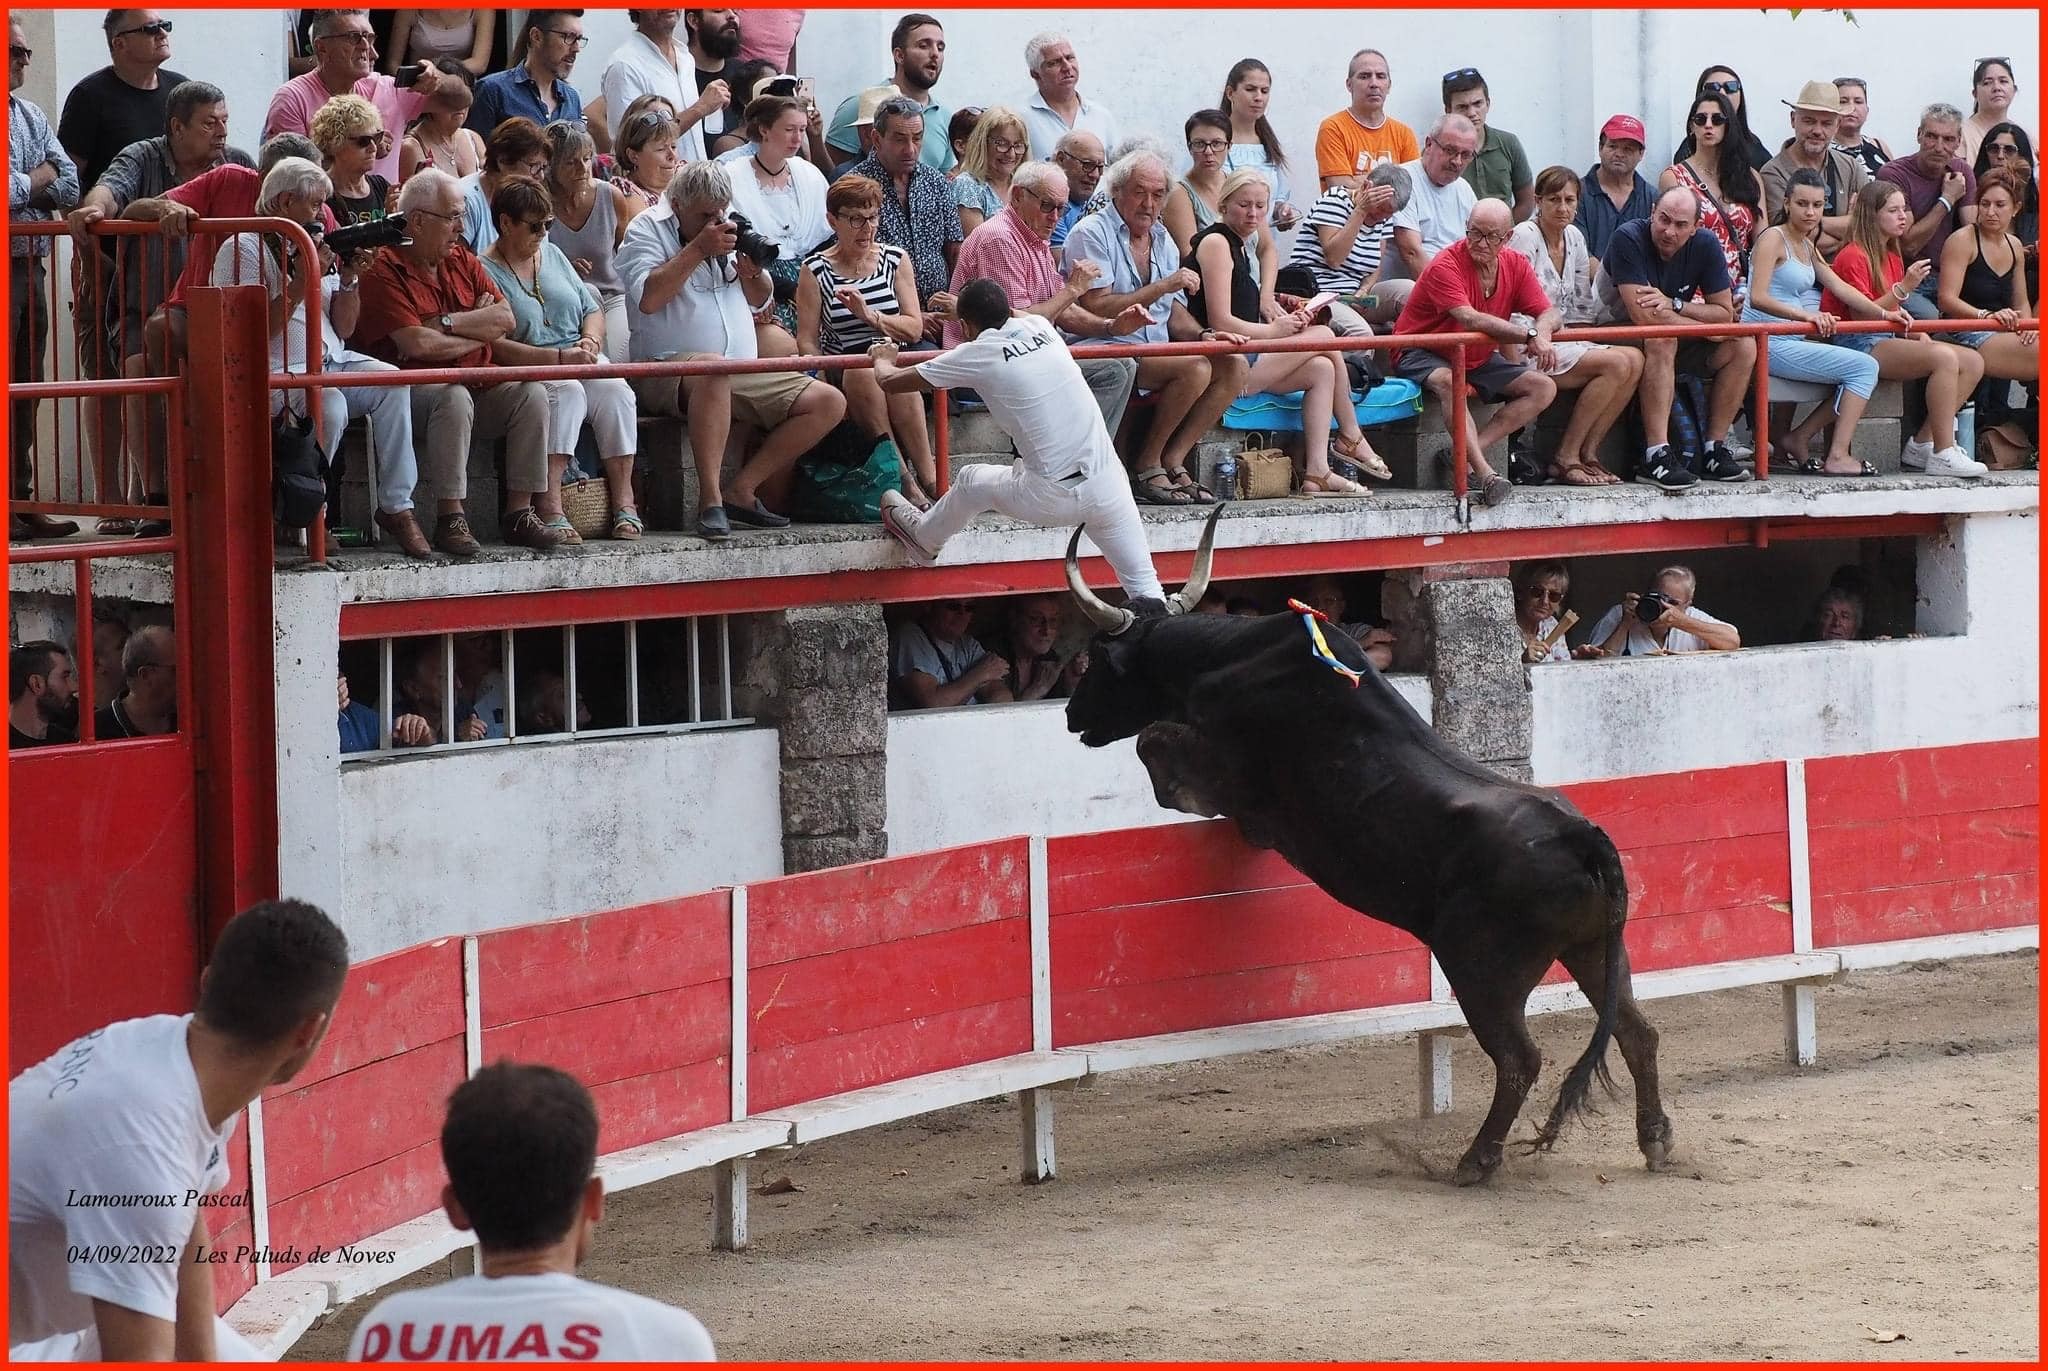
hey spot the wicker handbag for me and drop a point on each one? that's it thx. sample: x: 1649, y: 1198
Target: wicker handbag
x: 588, y: 505
x: 1264, y: 473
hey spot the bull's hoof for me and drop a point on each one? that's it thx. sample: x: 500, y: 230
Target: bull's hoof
x: 1474, y: 1170
x: 1656, y: 1144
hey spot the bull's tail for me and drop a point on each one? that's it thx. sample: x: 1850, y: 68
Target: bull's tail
x: 1604, y: 863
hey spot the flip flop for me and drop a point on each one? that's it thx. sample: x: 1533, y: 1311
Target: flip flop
x: 1868, y: 470
x: 1575, y: 474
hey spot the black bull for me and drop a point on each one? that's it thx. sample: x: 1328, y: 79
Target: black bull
x: 1235, y: 716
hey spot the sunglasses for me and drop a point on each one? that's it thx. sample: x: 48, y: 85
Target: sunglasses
x: 2005, y: 62
x: 2004, y: 149
x: 1087, y: 164
x: 542, y: 227
x: 368, y: 141
x: 1855, y: 81
x: 1709, y: 119
x: 576, y: 41
x: 157, y: 29
x: 17, y: 53
x: 1461, y: 74
x: 1723, y: 87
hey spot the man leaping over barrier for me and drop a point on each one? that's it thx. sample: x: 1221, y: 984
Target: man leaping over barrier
x: 1066, y: 471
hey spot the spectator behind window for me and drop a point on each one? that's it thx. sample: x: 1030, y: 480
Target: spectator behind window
x: 1540, y: 590
x: 356, y: 721
x: 1837, y: 617
x: 543, y: 704
x: 935, y: 663
x: 109, y: 636
x: 42, y: 695
x: 1031, y: 644
x: 1677, y: 625
x: 1325, y: 595
x: 149, y: 699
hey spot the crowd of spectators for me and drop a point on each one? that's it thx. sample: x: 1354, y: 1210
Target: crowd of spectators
x: 541, y: 230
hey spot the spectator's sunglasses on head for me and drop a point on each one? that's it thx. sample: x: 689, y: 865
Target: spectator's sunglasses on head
x: 1855, y: 81
x: 2005, y: 62
x: 1729, y: 87
x: 1461, y: 74
x: 156, y: 28
x: 1708, y: 118
x: 647, y: 118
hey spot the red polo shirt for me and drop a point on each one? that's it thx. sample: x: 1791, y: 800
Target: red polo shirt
x: 397, y: 294
x: 1451, y: 281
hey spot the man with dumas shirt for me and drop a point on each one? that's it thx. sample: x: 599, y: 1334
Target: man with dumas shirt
x: 520, y: 1146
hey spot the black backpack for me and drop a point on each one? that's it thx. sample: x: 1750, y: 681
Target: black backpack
x: 298, y: 471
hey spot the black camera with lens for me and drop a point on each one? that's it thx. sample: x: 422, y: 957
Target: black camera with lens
x: 368, y: 237
x: 752, y: 245
x: 1651, y: 606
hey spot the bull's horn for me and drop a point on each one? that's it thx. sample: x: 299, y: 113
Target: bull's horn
x: 1188, y: 596
x: 1106, y: 617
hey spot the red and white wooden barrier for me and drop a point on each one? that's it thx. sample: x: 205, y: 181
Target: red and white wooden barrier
x: 718, y: 1025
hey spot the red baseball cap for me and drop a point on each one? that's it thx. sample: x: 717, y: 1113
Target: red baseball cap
x: 1624, y: 126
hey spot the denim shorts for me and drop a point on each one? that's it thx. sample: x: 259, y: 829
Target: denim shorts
x: 1972, y: 339
x: 1861, y: 342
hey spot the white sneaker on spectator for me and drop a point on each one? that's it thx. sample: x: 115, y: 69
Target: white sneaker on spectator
x: 900, y: 519
x: 1953, y: 461
x: 1915, y: 455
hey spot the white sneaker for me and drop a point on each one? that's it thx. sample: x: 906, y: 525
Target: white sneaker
x: 1915, y: 455
x: 900, y: 519
x: 1953, y: 461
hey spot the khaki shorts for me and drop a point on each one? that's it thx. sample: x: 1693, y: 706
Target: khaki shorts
x: 760, y: 400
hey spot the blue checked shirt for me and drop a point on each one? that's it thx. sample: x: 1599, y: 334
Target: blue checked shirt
x: 30, y: 144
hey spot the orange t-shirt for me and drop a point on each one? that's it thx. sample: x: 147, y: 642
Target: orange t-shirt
x: 1345, y: 147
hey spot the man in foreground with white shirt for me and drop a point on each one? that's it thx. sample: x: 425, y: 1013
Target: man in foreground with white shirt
x: 1066, y: 472
x: 145, y: 1108
x: 520, y: 1147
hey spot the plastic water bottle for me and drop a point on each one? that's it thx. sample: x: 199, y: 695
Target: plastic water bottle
x: 1225, y: 476
x: 1966, y: 429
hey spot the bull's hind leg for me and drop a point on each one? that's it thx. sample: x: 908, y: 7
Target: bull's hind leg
x: 1494, y: 998
x: 1638, y: 1039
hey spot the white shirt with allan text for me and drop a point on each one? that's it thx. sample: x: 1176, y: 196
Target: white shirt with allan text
x: 1035, y: 390
x: 553, y: 1317
x: 108, y: 1155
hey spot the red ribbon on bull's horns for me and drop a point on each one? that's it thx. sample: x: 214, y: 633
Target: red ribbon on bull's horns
x: 1318, y: 646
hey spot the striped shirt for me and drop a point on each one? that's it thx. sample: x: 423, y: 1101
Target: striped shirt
x: 1331, y: 209
x: 843, y: 330
x: 30, y: 144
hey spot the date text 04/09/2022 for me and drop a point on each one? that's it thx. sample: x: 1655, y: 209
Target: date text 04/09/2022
x: 102, y: 1253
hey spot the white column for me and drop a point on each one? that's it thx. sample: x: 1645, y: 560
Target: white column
x: 1800, y: 1042
x: 1035, y: 1106
x: 729, y: 1178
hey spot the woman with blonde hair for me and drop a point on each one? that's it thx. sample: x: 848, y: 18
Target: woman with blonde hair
x: 995, y: 149
x: 351, y: 137
x: 1236, y: 299
x: 590, y: 223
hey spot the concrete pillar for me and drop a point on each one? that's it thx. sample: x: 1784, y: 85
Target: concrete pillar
x: 1457, y: 624
x: 820, y: 675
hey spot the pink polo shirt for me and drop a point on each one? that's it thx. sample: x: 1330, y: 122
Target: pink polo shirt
x: 297, y: 100
x: 1007, y: 252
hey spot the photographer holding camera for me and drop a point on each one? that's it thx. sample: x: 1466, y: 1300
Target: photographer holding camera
x: 296, y: 189
x: 1661, y: 620
x: 693, y: 280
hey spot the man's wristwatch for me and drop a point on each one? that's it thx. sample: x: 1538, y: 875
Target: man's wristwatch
x: 447, y: 323
x: 1529, y: 335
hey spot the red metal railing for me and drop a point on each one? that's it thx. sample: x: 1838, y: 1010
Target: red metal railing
x: 1450, y: 344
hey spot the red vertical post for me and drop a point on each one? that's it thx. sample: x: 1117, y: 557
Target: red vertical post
x: 225, y: 526
x: 1762, y: 405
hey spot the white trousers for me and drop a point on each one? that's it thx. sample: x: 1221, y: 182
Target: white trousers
x: 390, y: 411
x: 1102, y: 504
x: 84, y: 1345
x: 609, y: 406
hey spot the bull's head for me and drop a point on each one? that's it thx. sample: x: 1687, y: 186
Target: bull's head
x: 1112, y: 700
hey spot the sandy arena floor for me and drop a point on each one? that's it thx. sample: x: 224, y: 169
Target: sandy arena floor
x: 1881, y: 1205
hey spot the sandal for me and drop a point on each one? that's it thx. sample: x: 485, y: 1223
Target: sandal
x: 627, y: 525
x: 1575, y: 474
x: 115, y: 528
x: 1169, y: 494
x: 1196, y: 492
x: 1330, y: 483
x: 1820, y: 469
x: 564, y: 531
x: 913, y: 490
x: 1495, y: 490
x: 1361, y: 455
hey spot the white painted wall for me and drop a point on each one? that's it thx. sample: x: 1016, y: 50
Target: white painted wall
x: 991, y: 771
x: 1630, y: 717
x: 468, y: 841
